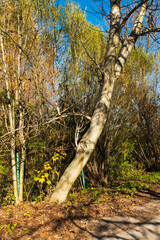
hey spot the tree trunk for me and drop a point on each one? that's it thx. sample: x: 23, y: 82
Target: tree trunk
x: 21, y: 113
x: 23, y: 156
x: 11, y: 116
x: 85, y: 146
x: 14, y: 169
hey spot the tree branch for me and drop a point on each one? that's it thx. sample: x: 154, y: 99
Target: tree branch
x: 129, y: 42
x: 47, y: 122
x: 147, y: 31
x: 130, y: 13
x: 25, y: 53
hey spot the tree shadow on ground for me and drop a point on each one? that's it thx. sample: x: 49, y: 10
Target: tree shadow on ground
x: 150, y: 194
x: 124, y: 230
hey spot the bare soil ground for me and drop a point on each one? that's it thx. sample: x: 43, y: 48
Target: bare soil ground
x: 78, y: 218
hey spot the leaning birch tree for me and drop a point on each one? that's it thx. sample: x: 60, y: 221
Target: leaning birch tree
x: 141, y: 19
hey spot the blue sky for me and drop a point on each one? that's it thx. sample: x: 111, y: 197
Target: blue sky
x: 88, y: 5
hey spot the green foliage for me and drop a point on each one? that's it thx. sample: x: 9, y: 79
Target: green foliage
x: 2, y: 169
x: 95, y: 194
x: 151, y: 178
x: 127, y: 150
x: 136, y: 180
x: 8, y: 197
x: 26, y: 230
x: 6, y: 192
x: 72, y: 196
x: 85, y: 50
x: 38, y: 199
x: 122, y: 167
x: 9, y: 213
x: 10, y: 228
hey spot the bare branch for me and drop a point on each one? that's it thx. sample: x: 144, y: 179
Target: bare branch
x: 130, y: 13
x: 147, y: 31
x: 56, y: 118
x: 25, y: 53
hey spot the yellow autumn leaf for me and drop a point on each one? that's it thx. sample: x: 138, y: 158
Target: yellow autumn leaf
x: 41, y: 180
x: 47, y: 166
x: 53, y: 158
x: 56, y: 172
x: 46, y: 175
x: 48, y: 182
x: 36, y: 178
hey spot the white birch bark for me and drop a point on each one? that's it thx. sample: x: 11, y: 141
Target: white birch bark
x: 23, y: 156
x: 11, y: 116
x: 21, y: 115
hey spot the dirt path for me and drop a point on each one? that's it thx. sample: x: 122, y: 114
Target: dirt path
x: 141, y: 222
x: 136, y: 226
x: 146, y: 231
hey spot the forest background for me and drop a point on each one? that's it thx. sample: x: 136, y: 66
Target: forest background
x: 49, y: 86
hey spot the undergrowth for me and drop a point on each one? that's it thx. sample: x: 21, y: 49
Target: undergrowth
x: 127, y: 183
x: 135, y: 180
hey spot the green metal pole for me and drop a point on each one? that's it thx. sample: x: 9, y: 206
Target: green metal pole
x: 17, y: 160
x: 83, y: 180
